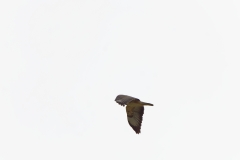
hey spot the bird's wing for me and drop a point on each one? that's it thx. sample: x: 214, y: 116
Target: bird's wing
x: 124, y: 99
x: 135, y: 117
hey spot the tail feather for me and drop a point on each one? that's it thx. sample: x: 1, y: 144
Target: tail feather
x: 147, y: 104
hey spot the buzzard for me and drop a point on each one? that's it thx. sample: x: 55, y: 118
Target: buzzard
x: 134, y: 110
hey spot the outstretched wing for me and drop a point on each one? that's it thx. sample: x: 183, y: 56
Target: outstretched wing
x: 135, y: 117
x: 124, y: 99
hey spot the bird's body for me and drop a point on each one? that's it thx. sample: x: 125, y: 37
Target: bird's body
x: 134, y: 109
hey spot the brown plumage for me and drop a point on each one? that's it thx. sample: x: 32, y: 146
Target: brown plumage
x: 134, y: 109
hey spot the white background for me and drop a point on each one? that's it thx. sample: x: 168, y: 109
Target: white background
x: 62, y: 63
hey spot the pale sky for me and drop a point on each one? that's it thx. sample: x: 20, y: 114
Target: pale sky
x: 62, y: 64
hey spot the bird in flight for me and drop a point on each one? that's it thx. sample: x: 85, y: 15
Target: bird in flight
x: 134, y: 110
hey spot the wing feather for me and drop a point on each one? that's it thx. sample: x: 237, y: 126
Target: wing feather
x: 135, y: 117
x: 124, y: 99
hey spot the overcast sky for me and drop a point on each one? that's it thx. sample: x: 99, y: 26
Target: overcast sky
x: 62, y: 63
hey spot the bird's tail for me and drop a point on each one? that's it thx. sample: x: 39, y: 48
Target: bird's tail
x: 147, y: 104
